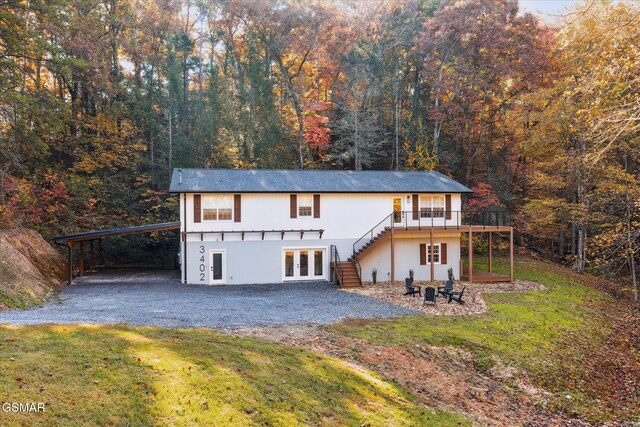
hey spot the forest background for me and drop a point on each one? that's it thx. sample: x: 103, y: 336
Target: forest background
x: 100, y: 99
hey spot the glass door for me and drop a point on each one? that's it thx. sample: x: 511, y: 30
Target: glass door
x: 217, y: 268
x: 304, y: 264
x: 397, y: 209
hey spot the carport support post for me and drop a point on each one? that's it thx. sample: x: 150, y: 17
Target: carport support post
x: 92, y: 255
x: 81, y: 259
x: 69, y: 263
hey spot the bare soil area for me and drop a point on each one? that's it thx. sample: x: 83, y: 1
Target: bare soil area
x: 30, y: 269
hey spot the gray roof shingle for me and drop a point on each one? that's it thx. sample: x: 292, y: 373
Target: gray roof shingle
x: 310, y: 181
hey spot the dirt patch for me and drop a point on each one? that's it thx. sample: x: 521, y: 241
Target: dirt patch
x: 441, y: 377
x: 474, y: 303
x: 30, y: 269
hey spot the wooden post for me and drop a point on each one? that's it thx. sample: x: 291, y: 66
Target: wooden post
x: 69, y: 263
x: 490, y: 260
x: 470, y: 255
x: 393, y: 277
x: 81, y: 259
x: 511, y: 252
x: 92, y: 255
x: 431, y: 247
x: 100, y: 253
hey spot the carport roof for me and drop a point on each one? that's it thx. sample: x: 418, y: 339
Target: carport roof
x: 310, y: 181
x: 97, y: 234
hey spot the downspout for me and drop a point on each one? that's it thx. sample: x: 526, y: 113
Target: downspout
x: 184, y: 252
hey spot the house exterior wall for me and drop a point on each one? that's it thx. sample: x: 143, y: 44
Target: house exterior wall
x: 343, y: 217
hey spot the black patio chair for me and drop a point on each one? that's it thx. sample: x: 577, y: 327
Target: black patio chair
x: 457, y: 296
x: 446, y: 289
x: 430, y: 295
x: 412, y: 290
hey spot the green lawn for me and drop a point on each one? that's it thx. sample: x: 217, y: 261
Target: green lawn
x: 104, y: 375
x: 550, y: 335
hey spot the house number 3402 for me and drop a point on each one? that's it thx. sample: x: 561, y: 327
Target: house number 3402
x: 202, y: 267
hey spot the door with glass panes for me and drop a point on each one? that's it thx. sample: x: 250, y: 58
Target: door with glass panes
x: 216, y: 269
x: 304, y: 264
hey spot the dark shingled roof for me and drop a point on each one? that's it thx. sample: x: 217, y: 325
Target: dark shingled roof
x: 310, y: 181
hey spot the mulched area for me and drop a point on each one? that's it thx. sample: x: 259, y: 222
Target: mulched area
x: 474, y: 303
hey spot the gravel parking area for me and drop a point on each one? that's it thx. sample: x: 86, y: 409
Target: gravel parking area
x: 159, y: 299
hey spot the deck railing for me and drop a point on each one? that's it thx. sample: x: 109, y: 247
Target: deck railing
x: 428, y: 219
x: 441, y: 218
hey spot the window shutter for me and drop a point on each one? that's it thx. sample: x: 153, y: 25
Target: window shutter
x: 415, y: 202
x: 293, y: 206
x: 237, y: 207
x: 447, y: 206
x: 423, y: 254
x: 443, y: 253
x: 316, y: 206
x: 197, y: 207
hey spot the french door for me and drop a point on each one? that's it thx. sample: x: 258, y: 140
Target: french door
x: 304, y: 264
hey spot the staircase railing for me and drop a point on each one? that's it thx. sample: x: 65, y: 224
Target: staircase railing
x: 377, y: 229
x: 335, y: 260
x: 369, y: 235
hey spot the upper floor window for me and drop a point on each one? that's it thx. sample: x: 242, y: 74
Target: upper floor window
x: 217, y: 208
x: 305, y: 205
x: 432, y: 206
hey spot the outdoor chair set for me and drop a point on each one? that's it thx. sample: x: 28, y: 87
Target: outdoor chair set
x: 431, y: 294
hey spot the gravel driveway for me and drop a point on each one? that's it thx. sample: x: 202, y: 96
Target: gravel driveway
x: 159, y: 299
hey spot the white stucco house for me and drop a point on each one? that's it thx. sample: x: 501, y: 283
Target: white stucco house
x: 271, y: 226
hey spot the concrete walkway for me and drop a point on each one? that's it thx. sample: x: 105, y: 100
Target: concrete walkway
x: 159, y: 299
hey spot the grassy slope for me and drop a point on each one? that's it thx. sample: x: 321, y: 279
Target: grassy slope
x: 555, y: 336
x: 121, y: 375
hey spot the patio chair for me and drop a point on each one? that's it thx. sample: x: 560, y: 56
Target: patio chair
x: 446, y: 289
x: 430, y: 295
x: 457, y: 296
x: 412, y: 290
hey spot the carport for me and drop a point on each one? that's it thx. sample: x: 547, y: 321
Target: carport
x: 90, y: 237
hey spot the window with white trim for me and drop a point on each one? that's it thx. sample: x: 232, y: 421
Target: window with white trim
x: 436, y: 253
x: 432, y: 206
x: 305, y: 204
x: 217, y: 208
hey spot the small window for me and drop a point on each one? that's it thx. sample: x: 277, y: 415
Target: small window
x: 217, y: 208
x: 305, y: 205
x: 436, y: 254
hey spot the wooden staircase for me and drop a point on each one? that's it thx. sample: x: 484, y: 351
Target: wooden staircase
x: 350, y: 278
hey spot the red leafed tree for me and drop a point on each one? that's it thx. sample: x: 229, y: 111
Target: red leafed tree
x: 483, y: 198
x: 316, y: 132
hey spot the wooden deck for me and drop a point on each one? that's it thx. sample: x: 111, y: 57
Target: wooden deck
x: 480, y: 276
